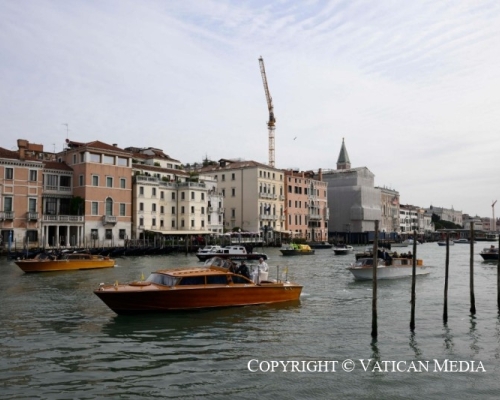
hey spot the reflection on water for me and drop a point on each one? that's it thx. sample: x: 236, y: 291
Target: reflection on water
x: 59, y: 340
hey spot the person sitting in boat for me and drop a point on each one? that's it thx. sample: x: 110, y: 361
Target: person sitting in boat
x: 395, y: 255
x: 409, y: 255
x: 233, y: 268
x: 243, y: 270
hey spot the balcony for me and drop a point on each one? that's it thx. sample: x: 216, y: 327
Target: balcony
x: 62, y: 218
x: 108, y: 220
x: 221, y: 210
x: 6, y: 215
x: 32, y: 216
x: 210, y: 209
x: 315, y: 217
x: 54, y: 189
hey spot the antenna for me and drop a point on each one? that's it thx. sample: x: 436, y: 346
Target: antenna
x: 67, y: 130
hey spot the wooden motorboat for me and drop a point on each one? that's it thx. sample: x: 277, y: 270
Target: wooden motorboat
x: 489, y: 253
x: 362, y: 269
x: 296, y: 250
x: 212, y: 285
x: 343, y: 249
x: 230, y: 252
x: 44, y: 262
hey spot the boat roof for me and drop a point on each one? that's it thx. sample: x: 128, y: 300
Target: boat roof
x: 193, y: 271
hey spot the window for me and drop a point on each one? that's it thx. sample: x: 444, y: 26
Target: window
x: 95, y: 180
x: 95, y: 208
x: 95, y: 158
x: 80, y: 180
x: 233, y: 213
x: 123, y: 183
x: 192, y: 209
x: 74, y: 158
x: 182, y: 223
x: 121, y: 161
x: 203, y: 210
x: 192, y: 195
x: 32, y: 205
x: 182, y: 196
x: 109, y: 234
x: 182, y: 210
x: 65, y: 181
x: 223, y: 177
x: 153, y: 193
x: 162, y: 209
x: 233, y: 192
x: 109, y: 181
x: 109, y: 206
x: 7, y: 204
x: 122, y: 209
x: 162, y: 194
x: 173, y: 223
x: 192, y: 223
x: 141, y: 206
x: 153, y: 207
x: 173, y: 210
x: 141, y: 221
x: 202, y: 196
x: 173, y: 195
x: 202, y: 223
x: 9, y: 173
x: 108, y: 160
x: 122, y: 233
x: 233, y: 176
x: 32, y: 235
x: 141, y: 190
x: 153, y: 223
x: 94, y: 234
x: 223, y: 192
x: 82, y: 157
x: 33, y: 175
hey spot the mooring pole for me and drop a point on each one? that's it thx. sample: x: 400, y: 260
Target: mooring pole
x: 374, y: 299
x: 413, y: 279
x: 498, y: 275
x: 446, y: 271
x: 472, y: 298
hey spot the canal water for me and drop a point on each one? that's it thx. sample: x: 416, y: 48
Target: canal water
x: 59, y: 341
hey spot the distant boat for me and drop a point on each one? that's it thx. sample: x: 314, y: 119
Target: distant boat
x: 443, y: 243
x: 489, y: 253
x: 462, y: 241
x: 231, y: 252
x: 296, y: 250
x: 320, y: 245
x: 343, y: 249
x: 68, y: 261
x: 362, y: 269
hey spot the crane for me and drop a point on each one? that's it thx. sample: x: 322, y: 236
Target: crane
x: 272, y: 121
x: 494, y: 224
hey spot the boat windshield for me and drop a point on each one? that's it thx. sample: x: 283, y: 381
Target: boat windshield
x: 218, y: 262
x: 161, y: 279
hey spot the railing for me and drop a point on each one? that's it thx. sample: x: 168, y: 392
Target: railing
x: 315, y: 216
x: 53, y: 188
x: 63, y: 218
x: 108, y: 219
x: 145, y: 178
x: 30, y: 216
x: 5, y: 215
x: 282, y: 197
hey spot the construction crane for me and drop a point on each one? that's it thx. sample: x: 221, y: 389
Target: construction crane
x: 493, y: 223
x: 272, y: 121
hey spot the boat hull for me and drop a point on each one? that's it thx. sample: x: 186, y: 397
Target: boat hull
x: 489, y: 256
x: 123, y: 300
x: 64, y: 265
x: 391, y: 272
x: 252, y: 256
x: 296, y: 252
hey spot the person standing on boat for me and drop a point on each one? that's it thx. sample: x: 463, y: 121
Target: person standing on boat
x: 263, y: 265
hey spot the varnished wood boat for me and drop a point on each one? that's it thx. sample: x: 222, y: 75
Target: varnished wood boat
x: 67, y: 262
x: 209, y: 286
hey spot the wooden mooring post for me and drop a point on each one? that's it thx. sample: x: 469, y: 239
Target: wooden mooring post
x: 498, y: 276
x: 472, y: 297
x: 413, y: 279
x: 374, y: 299
x: 446, y: 274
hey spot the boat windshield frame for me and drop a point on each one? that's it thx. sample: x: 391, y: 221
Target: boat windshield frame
x: 162, y: 279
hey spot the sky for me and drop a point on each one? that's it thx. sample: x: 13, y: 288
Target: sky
x: 413, y: 87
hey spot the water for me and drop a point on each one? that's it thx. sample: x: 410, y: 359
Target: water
x: 59, y: 341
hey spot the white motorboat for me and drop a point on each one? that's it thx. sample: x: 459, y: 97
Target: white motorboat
x: 362, y: 269
x: 343, y: 249
x: 231, y: 252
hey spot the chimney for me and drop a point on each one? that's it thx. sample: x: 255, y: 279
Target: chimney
x: 22, y: 144
x: 320, y: 175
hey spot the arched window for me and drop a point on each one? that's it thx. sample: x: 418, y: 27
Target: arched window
x: 109, y: 206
